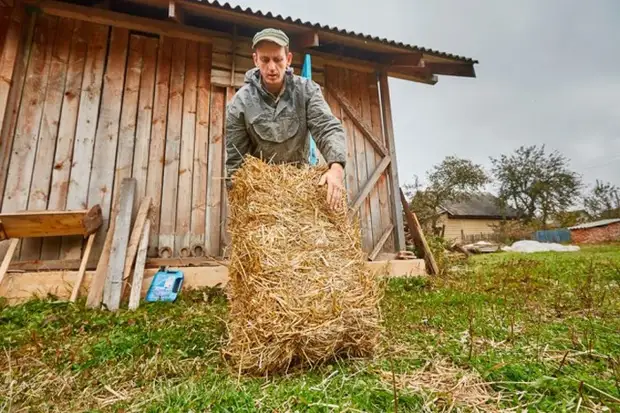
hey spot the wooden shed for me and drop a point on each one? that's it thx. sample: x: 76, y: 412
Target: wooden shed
x: 95, y: 91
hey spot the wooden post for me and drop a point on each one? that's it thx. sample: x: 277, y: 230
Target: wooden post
x: 397, y: 212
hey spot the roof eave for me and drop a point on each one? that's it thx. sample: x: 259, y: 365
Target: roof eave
x: 327, y: 31
x: 430, y: 63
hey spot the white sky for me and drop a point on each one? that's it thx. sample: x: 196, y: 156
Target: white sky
x: 549, y: 73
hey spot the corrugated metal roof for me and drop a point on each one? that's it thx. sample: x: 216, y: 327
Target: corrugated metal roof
x: 594, y: 224
x: 333, y: 29
x: 479, y: 205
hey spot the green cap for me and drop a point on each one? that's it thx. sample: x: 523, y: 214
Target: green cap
x: 271, y: 35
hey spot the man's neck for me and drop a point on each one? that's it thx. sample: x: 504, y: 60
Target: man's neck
x: 274, y: 90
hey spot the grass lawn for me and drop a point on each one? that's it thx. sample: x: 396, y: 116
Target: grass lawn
x: 536, y: 331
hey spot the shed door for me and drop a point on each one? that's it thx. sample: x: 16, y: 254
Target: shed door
x: 354, y: 98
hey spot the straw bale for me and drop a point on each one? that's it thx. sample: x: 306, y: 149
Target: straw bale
x: 299, y: 291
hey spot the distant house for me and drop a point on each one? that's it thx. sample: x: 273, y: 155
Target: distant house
x: 473, y: 218
x: 605, y: 230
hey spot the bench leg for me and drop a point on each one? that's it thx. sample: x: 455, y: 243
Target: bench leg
x: 7, y: 258
x: 82, y: 270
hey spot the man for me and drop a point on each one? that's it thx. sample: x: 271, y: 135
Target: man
x: 271, y: 114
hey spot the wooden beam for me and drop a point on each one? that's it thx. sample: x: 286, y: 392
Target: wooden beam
x: 370, y: 184
x: 74, y: 265
x: 123, y: 20
x: 32, y: 224
x: 384, y: 237
x: 418, y: 74
x: 306, y: 40
x: 451, y: 69
x: 394, y: 185
x: 327, y: 59
x: 418, y: 236
x: 402, y: 59
x: 357, y: 119
x: 176, y: 12
x: 412, y: 77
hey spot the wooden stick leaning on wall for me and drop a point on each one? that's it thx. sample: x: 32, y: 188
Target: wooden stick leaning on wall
x: 138, y: 275
x: 95, y: 293
x: 136, y: 237
x: 418, y: 237
x: 118, y: 250
x: 82, y: 270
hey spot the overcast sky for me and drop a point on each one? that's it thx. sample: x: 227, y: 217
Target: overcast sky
x: 549, y: 73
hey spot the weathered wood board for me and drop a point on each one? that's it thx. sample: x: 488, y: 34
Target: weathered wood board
x: 201, y: 152
x: 86, y: 128
x: 186, y: 156
x: 48, y: 130
x: 158, y: 137
x: 33, y: 224
x: 215, y: 177
x: 65, y: 139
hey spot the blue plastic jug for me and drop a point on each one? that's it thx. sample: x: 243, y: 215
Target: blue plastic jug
x: 165, y: 286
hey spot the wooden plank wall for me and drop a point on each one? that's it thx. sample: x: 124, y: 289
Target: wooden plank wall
x: 361, y: 89
x: 102, y: 104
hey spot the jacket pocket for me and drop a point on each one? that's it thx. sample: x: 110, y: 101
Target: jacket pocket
x: 278, y: 130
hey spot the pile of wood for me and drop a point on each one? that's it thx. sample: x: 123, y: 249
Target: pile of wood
x: 124, y: 245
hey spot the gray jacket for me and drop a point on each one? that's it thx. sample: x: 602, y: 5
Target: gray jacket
x: 276, y: 130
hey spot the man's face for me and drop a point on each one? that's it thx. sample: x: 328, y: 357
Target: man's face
x: 272, y: 61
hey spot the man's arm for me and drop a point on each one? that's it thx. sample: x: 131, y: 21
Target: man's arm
x: 237, y: 140
x: 328, y: 133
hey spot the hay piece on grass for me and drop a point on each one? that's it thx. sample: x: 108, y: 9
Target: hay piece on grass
x: 299, y: 291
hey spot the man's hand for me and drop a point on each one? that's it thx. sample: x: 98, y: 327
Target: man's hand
x: 334, y: 179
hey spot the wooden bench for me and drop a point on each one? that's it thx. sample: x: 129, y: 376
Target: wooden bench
x: 34, y: 224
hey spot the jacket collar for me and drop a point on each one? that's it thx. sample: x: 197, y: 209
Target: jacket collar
x: 253, y: 77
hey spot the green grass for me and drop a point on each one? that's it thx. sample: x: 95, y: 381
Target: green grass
x: 540, y: 331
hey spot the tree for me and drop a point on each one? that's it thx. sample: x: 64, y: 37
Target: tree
x: 603, y: 201
x: 565, y: 219
x: 453, y: 180
x: 535, y: 183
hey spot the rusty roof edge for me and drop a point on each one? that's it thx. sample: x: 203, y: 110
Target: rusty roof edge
x: 334, y: 29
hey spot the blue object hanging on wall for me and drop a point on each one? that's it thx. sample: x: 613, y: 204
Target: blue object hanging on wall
x: 306, y: 71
